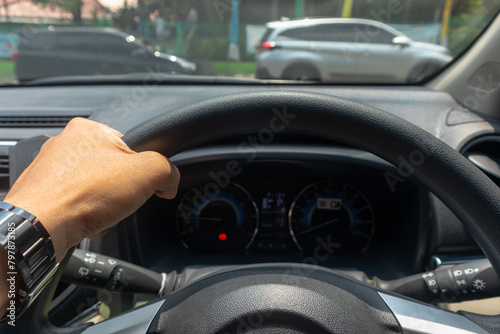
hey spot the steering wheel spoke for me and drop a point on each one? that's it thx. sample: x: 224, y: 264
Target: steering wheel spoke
x: 420, y: 318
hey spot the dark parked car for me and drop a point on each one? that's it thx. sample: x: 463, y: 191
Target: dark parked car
x: 87, y: 51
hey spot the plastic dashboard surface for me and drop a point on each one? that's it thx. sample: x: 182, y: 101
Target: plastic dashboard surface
x: 397, y: 231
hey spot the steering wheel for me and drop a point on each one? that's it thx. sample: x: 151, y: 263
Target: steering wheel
x: 299, y: 298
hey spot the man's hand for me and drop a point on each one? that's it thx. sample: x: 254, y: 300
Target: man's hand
x: 86, y: 180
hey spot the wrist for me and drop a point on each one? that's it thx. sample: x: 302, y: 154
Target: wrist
x: 51, y: 225
x: 31, y: 260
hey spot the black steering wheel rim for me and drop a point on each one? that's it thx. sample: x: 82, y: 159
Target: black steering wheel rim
x: 467, y: 192
x: 471, y: 195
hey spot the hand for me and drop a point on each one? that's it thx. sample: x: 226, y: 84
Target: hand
x: 86, y: 180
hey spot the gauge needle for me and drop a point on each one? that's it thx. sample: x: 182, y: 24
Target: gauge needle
x: 316, y: 227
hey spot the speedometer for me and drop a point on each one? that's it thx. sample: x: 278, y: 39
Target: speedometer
x: 331, y: 213
x: 213, y: 218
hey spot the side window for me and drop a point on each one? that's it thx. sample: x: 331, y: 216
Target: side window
x: 320, y: 32
x: 344, y: 33
x: 335, y: 32
x: 366, y: 33
x: 117, y: 45
x: 266, y: 35
x: 76, y: 42
x: 341, y: 32
x: 295, y: 33
x: 38, y: 42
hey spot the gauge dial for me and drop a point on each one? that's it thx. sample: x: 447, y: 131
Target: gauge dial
x: 332, y: 213
x: 210, y: 218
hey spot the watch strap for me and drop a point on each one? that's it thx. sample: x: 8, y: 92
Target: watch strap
x: 29, y: 250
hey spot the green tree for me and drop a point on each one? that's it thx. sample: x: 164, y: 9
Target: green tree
x: 469, y: 18
x: 72, y: 6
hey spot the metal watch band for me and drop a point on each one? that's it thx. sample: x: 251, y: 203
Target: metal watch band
x: 30, y: 253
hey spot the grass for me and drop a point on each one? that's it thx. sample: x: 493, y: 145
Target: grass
x: 232, y: 68
x: 6, y: 68
x: 218, y: 68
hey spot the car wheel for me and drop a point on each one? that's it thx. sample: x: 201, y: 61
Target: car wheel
x: 302, y: 72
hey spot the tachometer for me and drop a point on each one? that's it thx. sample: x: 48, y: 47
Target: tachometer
x: 211, y: 218
x: 333, y: 214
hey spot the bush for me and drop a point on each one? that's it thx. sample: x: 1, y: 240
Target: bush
x: 211, y: 43
x: 214, y: 49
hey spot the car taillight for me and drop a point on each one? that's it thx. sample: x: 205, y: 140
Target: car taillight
x: 267, y: 46
x: 15, y: 54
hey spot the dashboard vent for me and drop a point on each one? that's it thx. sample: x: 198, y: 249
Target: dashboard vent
x: 4, y: 164
x: 4, y: 170
x: 484, y: 152
x: 36, y: 121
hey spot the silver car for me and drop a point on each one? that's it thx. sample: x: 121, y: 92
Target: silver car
x: 344, y: 50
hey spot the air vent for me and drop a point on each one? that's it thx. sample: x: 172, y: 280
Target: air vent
x: 484, y: 152
x: 4, y: 170
x: 4, y: 164
x: 36, y: 121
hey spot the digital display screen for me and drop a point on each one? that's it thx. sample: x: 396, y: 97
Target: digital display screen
x: 273, y: 199
x: 273, y: 210
x: 329, y: 204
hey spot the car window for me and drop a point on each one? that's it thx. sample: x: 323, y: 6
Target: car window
x: 266, y: 35
x: 117, y: 45
x: 264, y: 40
x: 346, y: 33
x: 41, y: 42
x: 339, y: 33
x: 76, y: 42
x: 372, y: 34
x: 297, y: 33
x: 322, y: 33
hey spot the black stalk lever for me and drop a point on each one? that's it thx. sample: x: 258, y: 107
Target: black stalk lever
x: 98, y: 271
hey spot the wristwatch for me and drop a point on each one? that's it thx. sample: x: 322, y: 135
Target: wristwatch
x: 31, y: 260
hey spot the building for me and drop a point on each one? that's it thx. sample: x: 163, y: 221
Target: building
x: 28, y: 11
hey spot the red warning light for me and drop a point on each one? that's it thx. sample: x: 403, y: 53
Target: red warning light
x: 222, y: 236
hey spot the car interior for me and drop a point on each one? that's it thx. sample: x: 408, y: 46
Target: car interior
x: 303, y: 207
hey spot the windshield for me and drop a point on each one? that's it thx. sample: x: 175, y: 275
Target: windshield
x: 327, y: 41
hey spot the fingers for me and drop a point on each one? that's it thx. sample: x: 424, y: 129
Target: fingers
x: 171, y: 191
x: 161, y: 175
x: 78, y: 124
x: 164, y: 175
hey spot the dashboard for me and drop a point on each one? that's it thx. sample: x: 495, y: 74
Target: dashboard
x: 241, y: 200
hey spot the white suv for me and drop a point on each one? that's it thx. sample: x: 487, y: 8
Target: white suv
x: 344, y: 50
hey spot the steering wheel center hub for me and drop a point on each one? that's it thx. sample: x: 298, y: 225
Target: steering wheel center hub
x: 275, y: 298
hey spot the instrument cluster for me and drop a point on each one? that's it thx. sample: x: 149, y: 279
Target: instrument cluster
x: 279, y: 216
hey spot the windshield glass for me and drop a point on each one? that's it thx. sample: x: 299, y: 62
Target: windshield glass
x: 349, y: 41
